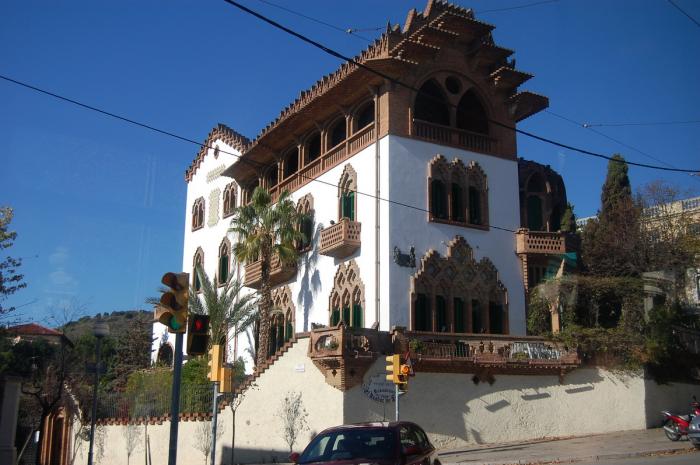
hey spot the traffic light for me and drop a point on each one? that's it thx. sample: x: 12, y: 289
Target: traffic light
x: 215, y: 363
x: 404, y: 372
x: 197, y: 334
x: 393, y: 367
x: 226, y: 379
x: 172, y: 310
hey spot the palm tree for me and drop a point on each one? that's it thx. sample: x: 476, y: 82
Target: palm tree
x: 227, y: 308
x: 265, y: 229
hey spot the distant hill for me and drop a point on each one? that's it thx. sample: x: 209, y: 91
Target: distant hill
x: 118, y: 321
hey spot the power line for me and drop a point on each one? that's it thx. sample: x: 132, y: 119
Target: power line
x: 617, y: 141
x: 252, y: 163
x: 517, y: 7
x: 684, y: 12
x: 393, y: 80
x: 350, y: 31
x: 640, y: 123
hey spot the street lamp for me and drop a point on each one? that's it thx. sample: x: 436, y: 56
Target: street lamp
x: 100, y: 330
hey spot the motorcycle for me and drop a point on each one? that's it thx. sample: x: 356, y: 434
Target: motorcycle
x: 677, y: 426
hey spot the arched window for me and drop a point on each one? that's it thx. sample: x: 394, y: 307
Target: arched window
x: 248, y: 192
x: 313, y: 147
x: 291, y: 162
x: 347, y: 189
x: 364, y: 116
x: 456, y: 293
x: 337, y: 133
x: 283, y: 318
x: 198, y: 214
x: 271, y: 177
x: 347, y: 299
x: 431, y: 104
x: 224, y: 261
x: 478, y: 195
x: 305, y: 206
x: 457, y: 202
x: 229, y: 199
x: 534, y: 213
x: 438, y: 199
x: 471, y: 114
x: 276, y: 332
x: 197, y: 264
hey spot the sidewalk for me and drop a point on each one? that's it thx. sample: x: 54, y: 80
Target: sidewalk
x: 589, y: 448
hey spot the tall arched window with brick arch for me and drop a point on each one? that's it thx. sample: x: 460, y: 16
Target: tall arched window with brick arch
x: 198, y: 214
x: 305, y: 206
x: 229, y: 199
x: 347, y: 299
x: 224, y: 261
x: 282, y: 317
x: 447, y: 190
x: 431, y: 104
x: 364, y: 116
x: 197, y: 263
x: 471, y: 114
x: 347, y: 193
x: 337, y: 132
x: 478, y: 195
x: 457, y: 294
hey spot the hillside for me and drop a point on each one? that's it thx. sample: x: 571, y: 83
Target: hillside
x: 118, y: 321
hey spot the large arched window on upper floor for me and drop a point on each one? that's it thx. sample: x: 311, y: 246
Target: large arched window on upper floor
x: 337, y: 132
x: 471, y: 114
x: 431, y: 104
x: 448, y: 190
x: 272, y: 176
x: 248, y: 192
x: 291, y: 162
x: 229, y: 199
x: 224, y: 261
x: 197, y: 264
x: 347, y: 299
x: 313, y: 147
x: 364, y: 115
x: 198, y: 214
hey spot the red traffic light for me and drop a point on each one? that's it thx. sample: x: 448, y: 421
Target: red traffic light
x: 197, y: 334
x: 198, y: 325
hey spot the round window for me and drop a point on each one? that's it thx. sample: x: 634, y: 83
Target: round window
x: 453, y: 85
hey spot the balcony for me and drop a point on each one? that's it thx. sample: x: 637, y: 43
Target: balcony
x: 340, y: 240
x: 446, y: 135
x: 279, y: 273
x: 542, y: 242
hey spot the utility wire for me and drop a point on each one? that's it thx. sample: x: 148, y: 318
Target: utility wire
x: 350, y: 31
x: 393, y: 80
x: 247, y: 161
x: 639, y: 123
x: 697, y: 23
x: 517, y: 7
x: 617, y: 141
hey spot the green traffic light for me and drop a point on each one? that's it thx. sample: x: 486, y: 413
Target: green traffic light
x: 174, y: 324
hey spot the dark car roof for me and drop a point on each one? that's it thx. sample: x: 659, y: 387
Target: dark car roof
x: 375, y: 424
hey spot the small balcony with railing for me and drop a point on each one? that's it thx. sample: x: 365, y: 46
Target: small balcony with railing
x: 543, y: 242
x: 279, y: 273
x: 446, y: 135
x: 341, y: 239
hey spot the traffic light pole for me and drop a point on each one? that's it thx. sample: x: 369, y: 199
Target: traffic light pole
x: 214, y: 420
x: 175, y: 400
x: 396, y: 404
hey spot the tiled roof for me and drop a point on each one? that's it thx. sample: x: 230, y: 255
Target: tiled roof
x: 33, y: 329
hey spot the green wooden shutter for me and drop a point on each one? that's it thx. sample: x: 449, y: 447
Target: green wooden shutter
x: 423, y: 316
x: 335, y: 317
x: 495, y: 318
x: 440, y: 314
x: 476, y: 317
x: 346, y: 315
x: 457, y: 207
x: 357, y: 316
x: 459, y: 315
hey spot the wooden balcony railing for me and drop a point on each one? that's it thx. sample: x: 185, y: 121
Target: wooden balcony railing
x: 540, y: 242
x: 446, y: 135
x: 279, y: 273
x: 341, y: 239
x: 332, y: 157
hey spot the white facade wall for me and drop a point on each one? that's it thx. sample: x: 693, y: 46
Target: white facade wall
x: 403, y: 168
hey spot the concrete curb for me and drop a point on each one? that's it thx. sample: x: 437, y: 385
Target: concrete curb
x: 590, y: 458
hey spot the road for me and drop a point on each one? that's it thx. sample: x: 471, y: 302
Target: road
x: 692, y: 458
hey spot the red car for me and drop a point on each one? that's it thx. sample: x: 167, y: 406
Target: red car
x: 384, y: 443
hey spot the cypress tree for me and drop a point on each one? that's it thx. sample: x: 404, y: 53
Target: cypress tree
x: 568, y: 219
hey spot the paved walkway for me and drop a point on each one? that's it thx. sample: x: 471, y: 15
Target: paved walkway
x: 587, y: 448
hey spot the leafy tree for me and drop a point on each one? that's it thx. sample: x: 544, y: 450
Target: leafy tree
x: 226, y: 307
x: 265, y: 229
x: 612, y: 241
x: 10, y: 279
x: 568, y: 219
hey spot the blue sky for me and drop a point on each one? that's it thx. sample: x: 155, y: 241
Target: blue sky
x: 99, y: 204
